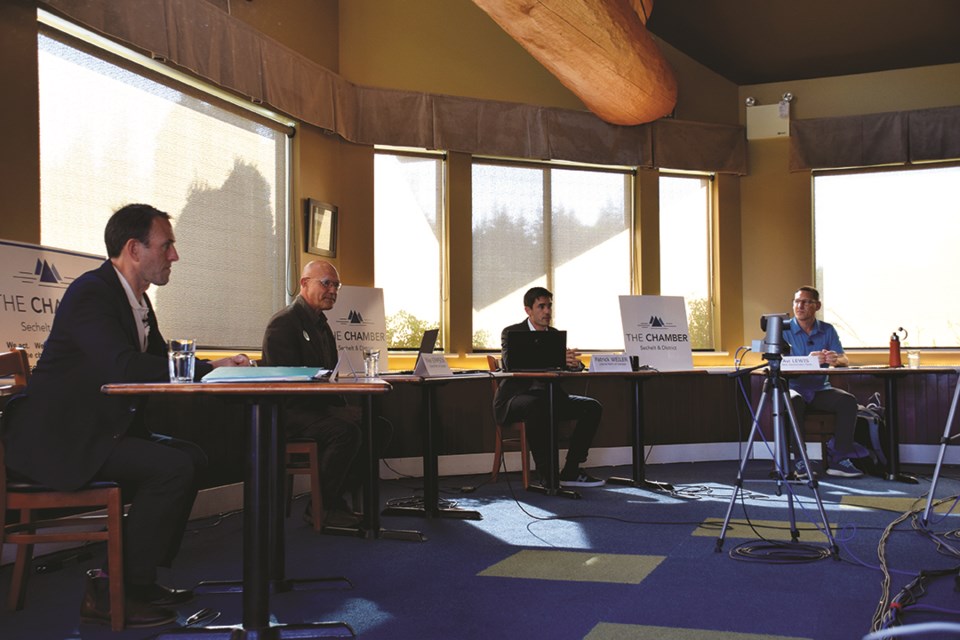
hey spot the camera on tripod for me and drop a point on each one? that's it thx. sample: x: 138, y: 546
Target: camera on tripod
x: 772, y: 347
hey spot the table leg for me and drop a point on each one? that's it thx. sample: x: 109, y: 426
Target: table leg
x: 639, y: 465
x: 552, y: 472
x: 371, y: 489
x: 263, y: 543
x: 893, y: 432
x: 431, y: 470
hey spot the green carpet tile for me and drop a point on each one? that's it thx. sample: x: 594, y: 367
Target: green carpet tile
x: 768, y: 529
x: 575, y: 566
x: 609, y: 631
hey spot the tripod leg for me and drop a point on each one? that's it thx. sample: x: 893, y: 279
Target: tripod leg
x: 812, y: 480
x: 781, y: 408
x: 738, y: 487
x: 944, y: 440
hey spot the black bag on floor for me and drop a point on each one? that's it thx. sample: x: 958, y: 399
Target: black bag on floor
x: 871, y: 433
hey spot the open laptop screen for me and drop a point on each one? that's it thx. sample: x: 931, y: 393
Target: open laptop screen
x: 429, y: 341
x: 536, y: 350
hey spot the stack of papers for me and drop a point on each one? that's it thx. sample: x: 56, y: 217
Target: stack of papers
x: 266, y: 374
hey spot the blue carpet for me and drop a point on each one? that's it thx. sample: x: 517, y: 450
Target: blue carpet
x: 621, y: 562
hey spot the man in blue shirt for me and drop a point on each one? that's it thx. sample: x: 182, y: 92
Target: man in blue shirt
x: 808, y: 336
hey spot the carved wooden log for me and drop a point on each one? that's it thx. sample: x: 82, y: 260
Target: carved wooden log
x: 599, y: 49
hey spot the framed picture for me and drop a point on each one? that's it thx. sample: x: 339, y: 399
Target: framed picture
x: 321, y: 228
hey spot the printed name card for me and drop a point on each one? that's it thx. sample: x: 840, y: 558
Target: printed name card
x: 799, y: 363
x: 610, y: 362
x: 431, y: 365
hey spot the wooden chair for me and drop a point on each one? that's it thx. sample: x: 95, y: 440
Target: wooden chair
x: 516, y: 443
x: 311, y: 468
x: 28, y: 498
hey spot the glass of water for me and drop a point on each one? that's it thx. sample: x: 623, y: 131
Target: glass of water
x: 182, y: 359
x: 371, y: 363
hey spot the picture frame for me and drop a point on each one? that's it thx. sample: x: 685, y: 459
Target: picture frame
x: 321, y: 228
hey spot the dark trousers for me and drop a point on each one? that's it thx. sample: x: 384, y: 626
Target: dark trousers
x: 158, y: 477
x: 838, y: 402
x: 532, y: 408
x: 339, y: 438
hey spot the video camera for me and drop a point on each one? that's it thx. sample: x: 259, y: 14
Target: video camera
x: 773, y: 347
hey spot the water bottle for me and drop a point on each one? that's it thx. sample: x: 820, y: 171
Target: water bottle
x: 895, y: 361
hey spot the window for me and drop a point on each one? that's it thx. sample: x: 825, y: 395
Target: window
x: 110, y: 136
x: 685, y: 251
x: 564, y: 229
x: 408, y: 241
x: 885, y: 244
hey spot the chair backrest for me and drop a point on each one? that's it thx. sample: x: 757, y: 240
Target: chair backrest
x: 14, y: 364
x: 493, y: 364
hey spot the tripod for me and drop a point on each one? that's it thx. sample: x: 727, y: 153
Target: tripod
x: 774, y: 385
x: 944, y: 441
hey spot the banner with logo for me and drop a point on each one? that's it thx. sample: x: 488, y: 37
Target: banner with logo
x: 358, y: 322
x: 32, y: 281
x: 655, y: 330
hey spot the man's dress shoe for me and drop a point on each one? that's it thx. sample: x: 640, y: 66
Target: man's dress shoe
x: 95, y: 607
x: 159, y: 595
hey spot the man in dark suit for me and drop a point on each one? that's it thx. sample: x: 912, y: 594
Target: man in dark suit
x: 300, y: 336
x: 526, y: 399
x: 63, y: 432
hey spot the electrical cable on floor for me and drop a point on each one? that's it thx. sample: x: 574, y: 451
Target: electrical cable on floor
x: 771, y: 552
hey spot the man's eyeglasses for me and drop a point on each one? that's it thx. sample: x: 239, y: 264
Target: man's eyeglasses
x: 803, y: 303
x: 329, y: 284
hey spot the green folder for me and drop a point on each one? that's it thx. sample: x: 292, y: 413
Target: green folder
x: 266, y: 374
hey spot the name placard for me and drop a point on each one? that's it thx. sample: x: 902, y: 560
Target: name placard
x: 431, y: 365
x: 655, y: 330
x: 358, y: 322
x: 610, y: 362
x: 799, y: 363
x: 33, y: 279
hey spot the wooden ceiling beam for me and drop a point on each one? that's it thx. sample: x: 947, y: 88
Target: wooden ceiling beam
x: 599, y: 49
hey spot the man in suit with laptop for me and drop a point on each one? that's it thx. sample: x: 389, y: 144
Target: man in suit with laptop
x: 526, y: 399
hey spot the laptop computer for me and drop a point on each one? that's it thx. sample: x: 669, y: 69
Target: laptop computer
x: 536, y: 350
x: 429, y: 341
x: 427, y: 345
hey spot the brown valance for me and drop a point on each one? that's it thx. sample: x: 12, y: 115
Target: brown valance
x: 201, y: 38
x: 875, y: 139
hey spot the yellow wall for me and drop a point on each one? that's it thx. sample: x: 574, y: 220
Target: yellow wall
x: 776, y: 204
x: 19, y: 107
x: 452, y: 47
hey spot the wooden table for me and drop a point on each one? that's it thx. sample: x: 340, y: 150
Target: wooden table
x: 263, y: 517
x: 891, y: 377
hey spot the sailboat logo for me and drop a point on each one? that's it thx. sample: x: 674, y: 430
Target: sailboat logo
x: 44, y: 273
x: 355, y: 317
x: 47, y: 272
x: 656, y: 322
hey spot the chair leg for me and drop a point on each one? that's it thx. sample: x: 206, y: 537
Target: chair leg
x: 497, y: 454
x: 316, y: 502
x: 21, y: 573
x: 115, y: 562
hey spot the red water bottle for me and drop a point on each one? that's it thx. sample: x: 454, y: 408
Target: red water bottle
x: 895, y: 350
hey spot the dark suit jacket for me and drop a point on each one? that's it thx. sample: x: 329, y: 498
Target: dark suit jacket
x: 61, y: 431
x: 511, y: 387
x: 298, y: 336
